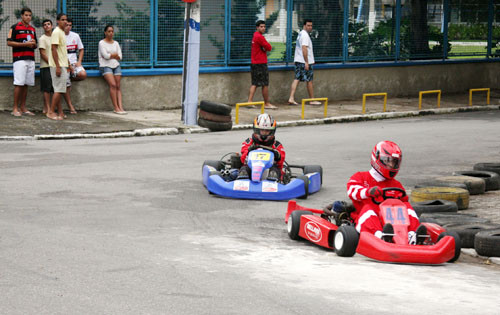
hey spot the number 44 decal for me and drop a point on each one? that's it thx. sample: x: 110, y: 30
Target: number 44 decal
x: 395, y: 215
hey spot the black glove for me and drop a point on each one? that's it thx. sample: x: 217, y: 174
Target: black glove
x: 374, y: 192
x: 277, y: 155
x: 252, y: 147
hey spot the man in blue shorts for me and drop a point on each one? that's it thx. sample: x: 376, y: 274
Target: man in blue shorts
x: 304, y: 60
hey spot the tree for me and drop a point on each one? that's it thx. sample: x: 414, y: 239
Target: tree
x: 2, y: 20
x: 419, y: 37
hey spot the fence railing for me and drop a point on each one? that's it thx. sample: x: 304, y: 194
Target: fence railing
x: 348, y: 31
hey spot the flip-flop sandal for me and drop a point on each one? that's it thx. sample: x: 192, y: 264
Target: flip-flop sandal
x: 16, y: 114
x: 293, y: 103
x: 28, y: 113
x: 314, y: 103
x: 270, y: 107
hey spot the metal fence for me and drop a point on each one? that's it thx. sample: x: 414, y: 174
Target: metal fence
x: 344, y: 31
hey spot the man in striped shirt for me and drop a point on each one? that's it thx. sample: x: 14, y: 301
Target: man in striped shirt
x: 22, y: 39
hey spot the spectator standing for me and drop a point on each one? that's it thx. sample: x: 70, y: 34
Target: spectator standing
x: 22, y: 39
x: 75, y: 57
x: 45, y: 55
x: 110, y: 55
x: 58, y: 67
x: 304, y: 60
x: 259, y: 70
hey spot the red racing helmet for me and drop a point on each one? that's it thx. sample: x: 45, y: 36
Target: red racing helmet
x: 264, y: 127
x: 386, y: 158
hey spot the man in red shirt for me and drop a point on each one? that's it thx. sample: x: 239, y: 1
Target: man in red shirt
x: 260, y: 73
x: 22, y: 39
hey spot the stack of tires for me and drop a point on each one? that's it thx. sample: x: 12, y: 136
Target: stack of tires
x: 215, y: 116
x: 438, y: 200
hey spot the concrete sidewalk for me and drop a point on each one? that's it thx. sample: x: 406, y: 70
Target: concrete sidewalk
x: 143, y: 123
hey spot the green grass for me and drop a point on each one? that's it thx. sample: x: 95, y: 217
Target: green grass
x: 278, y: 51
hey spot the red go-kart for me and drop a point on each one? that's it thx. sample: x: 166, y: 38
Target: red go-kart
x: 337, y: 232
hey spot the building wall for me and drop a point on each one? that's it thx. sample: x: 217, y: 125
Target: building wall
x: 164, y: 91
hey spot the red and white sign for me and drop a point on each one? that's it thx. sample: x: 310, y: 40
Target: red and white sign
x: 242, y: 185
x: 313, y: 232
x: 269, y: 186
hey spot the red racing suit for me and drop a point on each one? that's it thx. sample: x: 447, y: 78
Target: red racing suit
x: 366, y: 215
x: 275, y: 145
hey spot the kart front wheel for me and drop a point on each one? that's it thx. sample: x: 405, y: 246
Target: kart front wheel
x: 458, y: 244
x: 345, y: 241
x: 305, y: 179
x: 218, y: 165
x: 293, y: 225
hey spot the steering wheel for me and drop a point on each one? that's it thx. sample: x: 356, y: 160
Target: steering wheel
x: 385, y: 196
x: 257, y: 146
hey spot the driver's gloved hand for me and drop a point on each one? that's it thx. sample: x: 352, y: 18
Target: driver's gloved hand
x: 277, y: 155
x: 374, y: 192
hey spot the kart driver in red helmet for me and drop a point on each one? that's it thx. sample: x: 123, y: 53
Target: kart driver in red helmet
x: 363, y: 186
x: 264, y: 128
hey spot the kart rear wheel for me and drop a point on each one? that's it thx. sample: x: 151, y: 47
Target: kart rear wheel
x: 345, y: 241
x: 218, y: 165
x: 458, y: 246
x: 313, y: 169
x: 293, y: 225
x: 305, y: 179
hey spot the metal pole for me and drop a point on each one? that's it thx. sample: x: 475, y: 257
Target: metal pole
x: 184, y: 58
x: 446, y: 10
x: 490, y: 27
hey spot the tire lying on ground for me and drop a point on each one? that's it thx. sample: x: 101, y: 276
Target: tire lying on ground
x: 215, y: 126
x: 490, y: 167
x: 458, y: 195
x: 215, y: 116
x: 446, y: 218
x: 487, y: 243
x: 475, y: 185
x: 437, y: 205
x: 467, y: 232
x: 491, y: 179
x: 437, y: 183
x: 215, y: 108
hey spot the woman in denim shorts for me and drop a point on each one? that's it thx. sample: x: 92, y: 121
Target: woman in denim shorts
x: 110, y: 55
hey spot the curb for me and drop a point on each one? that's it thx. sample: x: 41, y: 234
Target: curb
x: 487, y: 260
x: 290, y: 123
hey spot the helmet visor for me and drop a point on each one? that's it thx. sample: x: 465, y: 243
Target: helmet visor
x: 390, y: 162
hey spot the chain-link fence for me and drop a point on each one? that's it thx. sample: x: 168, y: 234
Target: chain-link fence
x: 151, y: 32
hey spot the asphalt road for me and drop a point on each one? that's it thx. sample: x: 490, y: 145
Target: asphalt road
x: 124, y: 226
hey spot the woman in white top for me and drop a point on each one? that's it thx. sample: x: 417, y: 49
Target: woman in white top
x: 110, y: 55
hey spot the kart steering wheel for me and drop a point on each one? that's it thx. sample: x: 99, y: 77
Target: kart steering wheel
x: 385, y: 196
x: 265, y: 148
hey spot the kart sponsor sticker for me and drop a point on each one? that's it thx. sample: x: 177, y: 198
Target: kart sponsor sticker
x: 260, y: 156
x: 313, y: 232
x: 243, y: 185
x: 269, y: 186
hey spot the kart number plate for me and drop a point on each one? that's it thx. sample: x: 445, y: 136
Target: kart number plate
x: 242, y: 185
x: 395, y: 215
x: 269, y: 186
x: 260, y: 156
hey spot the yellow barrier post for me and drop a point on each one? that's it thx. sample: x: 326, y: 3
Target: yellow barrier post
x: 476, y: 90
x: 374, y: 94
x: 322, y: 99
x: 429, y: 92
x: 237, y: 119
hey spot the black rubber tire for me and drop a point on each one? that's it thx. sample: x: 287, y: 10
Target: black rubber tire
x: 428, y: 220
x: 487, y: 243
x: 458, y: 195
x: 467, y: 232
x: 446, y: 218
x: 458, y: 248
x: 215, y: 126
x: 475, y: 185
x: 217, y: 164
x: 345, y: 241
x: 437, y: 205
x: 436, y: 183
x: 305, y: 179
x: 490, y: 167
x: 214, y: 117
x: 491, y: 179
x: 293, y: 225
x: 215, y: 108
x: 313, y: 169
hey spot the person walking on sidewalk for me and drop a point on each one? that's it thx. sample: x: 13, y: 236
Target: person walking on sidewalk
x: 110, y: 55
x: 22, y: 39
x: 259, y: 70
x: 58, y: 67
x: 304, y: 60
x: 45, y: 55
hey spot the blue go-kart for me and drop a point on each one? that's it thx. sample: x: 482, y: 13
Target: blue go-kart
x: 220, y: 177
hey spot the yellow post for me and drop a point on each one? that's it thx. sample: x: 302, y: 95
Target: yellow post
x: 322, y: 99
x: 476, y: 90
x: 237, y: 119
x: 429, y: 92
x: 374, y: 94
